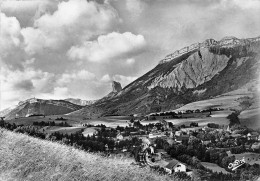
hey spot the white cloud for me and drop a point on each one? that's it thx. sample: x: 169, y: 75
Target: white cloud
x: 24, y: 6
x: 135, y: 7
x: 28, y: 62
x: 73, y: 22
x: 60, y: 92
x: 26, y: 11
x: 106, y: 78
x: 67, y: 78
x: 108, y: 46
x: 124, y: 80
x: 9, y: 34
x: 130, y: 61
x: 248, y: 4
x: 20, y: 85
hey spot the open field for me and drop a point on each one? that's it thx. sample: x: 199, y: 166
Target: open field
x: 200, y: 121
x: 67, y: 130
x: 214, y: 167
x: 89, y: 131
x: 218, y: 117
x: 30, y: 120
x: 250, y: 118
x: 250, y: 158
x: 30, y: 159
x: 112, y: 121
x: 224, y: 101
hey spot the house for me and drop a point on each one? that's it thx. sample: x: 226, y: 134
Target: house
x: 181, y: 139
x: 192, y: 129
x: 227, y: 128
x: 206, y: 142
x: 255, y: 146
x: 156, y: 135
x: 119, y: 136
x: 178, y: 133
x: 164, y: 124
x: 206, y: 128
x: 176, y: 166
x: 171, y: 134
x: 254, y: 136
x: 236, y: 135
x: 154, y: 129
x: 170, y: 141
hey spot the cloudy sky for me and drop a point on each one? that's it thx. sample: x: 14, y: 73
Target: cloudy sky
x: 54, y: 49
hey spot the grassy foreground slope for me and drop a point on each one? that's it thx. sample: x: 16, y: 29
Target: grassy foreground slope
x: 27, y: 158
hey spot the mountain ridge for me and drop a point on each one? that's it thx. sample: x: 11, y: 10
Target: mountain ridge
x: 210, y: 71
x: 34, y: 106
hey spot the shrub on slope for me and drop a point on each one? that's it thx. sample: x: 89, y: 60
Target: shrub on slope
x: 27, y: 158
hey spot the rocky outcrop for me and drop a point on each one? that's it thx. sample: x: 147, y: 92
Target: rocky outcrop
x: 116, y: 86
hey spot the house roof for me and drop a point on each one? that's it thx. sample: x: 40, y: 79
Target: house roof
x: 183, y: 137
x: 172, y: 164
x: 236, y: 135
x: 254, y: 133
x: 170, y: 141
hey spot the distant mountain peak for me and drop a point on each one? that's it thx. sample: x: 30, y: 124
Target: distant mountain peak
x: 34, y: 106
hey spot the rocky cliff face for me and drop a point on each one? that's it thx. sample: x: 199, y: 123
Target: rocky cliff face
x: 197, y: 69
x: 41, y: 107
x: 197, y: 72
x: 116, y: 86
x: 229, y: 41
x: 80, y: 101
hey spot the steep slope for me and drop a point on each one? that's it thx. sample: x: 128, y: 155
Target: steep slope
x: 41, y: 107
x: 197, y: 72
x: 6, y: 111
x: 28, y: 158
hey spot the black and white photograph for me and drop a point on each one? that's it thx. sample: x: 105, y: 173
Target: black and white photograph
x: 129, y: 90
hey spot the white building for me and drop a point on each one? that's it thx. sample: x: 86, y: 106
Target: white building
x: 119, y: 136
x: 176, y: 166
x: 156, y: 135
x: 178, y: 133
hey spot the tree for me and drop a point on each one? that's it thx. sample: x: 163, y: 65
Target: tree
x: 233, y: 119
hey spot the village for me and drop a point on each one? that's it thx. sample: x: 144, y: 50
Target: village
x: 183, y: 148
x: 186, y: 148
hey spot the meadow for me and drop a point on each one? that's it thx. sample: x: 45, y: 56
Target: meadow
x: 28, y: 158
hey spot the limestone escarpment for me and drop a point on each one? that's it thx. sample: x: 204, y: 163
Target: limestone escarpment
x: 80, y: 101
x: 229, y: 41
x: 197, y: 69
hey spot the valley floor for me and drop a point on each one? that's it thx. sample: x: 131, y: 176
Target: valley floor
x: 28, y: 158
